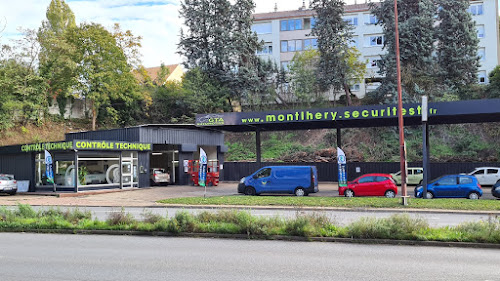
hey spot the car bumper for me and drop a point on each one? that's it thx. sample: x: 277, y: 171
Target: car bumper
x: 8, y: 188
x: 241, y: 188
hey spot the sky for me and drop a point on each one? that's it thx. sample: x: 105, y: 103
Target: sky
x: 156, y: 21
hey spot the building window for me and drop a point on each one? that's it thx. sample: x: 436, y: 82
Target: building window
x: 284, y: 46
x: 289, y: 25
x: 376, y: 40
x: 262, y: 28
x: 372, y: 19
x: 310, y: 44
x: 284, y: 65
x: 298, y: 45
x: 373, y: 62
x: 291, y: 46
x: 266, y: 50
x: 481, y: 54
x: 480, y: 31
x: 313, y: 22
x: 351, y: 20
x: 307, y: 23
x: 476, y: 9
x: 482, y: 77
x: 355, y: 87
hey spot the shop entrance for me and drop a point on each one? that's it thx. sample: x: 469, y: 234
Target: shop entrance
x: 165, y: 157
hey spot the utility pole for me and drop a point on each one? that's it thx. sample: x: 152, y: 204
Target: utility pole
x: 402, y: 150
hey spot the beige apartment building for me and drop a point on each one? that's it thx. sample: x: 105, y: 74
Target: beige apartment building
x: 286, y: 32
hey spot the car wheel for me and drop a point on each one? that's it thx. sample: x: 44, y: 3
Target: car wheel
x: 349, y: 193
x: 300, y: 191
x: 249, y: 191
x: 390, y: 194
x: 473, y: 196
x: 13, y: 193
x: 430, y: 195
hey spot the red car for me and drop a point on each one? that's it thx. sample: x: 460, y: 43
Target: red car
x: 370, y: 185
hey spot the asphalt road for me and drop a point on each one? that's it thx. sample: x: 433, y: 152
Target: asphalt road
x: 435, y: 219
x: 93, y: 257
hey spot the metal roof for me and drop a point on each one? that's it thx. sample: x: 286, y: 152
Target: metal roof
x: 457, y: 112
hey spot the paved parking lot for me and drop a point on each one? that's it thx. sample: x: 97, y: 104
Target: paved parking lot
x: 146, y: 197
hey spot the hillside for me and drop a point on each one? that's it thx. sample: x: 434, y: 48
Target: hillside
x: 449, y: 143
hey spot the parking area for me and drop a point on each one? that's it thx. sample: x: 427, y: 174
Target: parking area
x: 147, y: 197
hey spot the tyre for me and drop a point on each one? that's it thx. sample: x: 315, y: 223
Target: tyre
x: 430, y: 195
x: 390, y: 194
x: 249, y: 191
x: 12, y: 192
x: 349, y: 193
x: 473, y: 196
x: 299, y: 191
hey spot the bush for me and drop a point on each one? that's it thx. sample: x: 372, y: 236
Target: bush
x: 25, y: 211
x: 394, y: 227
x: 120, y: 218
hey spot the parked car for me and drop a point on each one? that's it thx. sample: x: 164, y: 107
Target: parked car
x: 8, y: 184
x: 370, y: 185
x: 495, y: 190
x: 298, y: 180
x: 452, y: 186
x: 415, y: 176
x: 486, y: 175
x: 159, y: 176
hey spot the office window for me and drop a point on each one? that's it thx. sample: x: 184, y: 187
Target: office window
x: 476, y: 9
x: 291, y: 46
x: 376, y: 40
x: 480, y: 31
x: 351, y: 20
x: 482, y: 77
x: 481, y: 54
x: 298, y: 24
x: 289, y: 25
x: 262, y: 28
x: 284, y: 46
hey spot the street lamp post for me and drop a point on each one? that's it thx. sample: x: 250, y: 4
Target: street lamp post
x: 402, y: 150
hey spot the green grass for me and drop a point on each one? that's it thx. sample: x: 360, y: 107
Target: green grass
x: 396, y: 227
x: 342, y: 202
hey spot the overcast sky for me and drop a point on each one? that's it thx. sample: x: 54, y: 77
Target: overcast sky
x: 157, y: 21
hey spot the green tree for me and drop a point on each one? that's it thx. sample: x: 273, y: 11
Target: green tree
x: 208, y: 95
x: 105, y: 77
x: 302, y: 74
x: 334, y: 36
x: 57, y: 55
x: 493, y: 88
x: 130, y: 45
x: 416, y: 45
x: 457, y: 44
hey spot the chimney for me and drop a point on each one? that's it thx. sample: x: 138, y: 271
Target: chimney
x: 303, y: 4
x: 275, y: 7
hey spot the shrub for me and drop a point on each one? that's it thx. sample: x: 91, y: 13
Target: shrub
x: 394, y: 227
x: 25, y: 211
x: 120, y: 218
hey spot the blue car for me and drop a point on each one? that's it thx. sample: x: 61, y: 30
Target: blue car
x: 298, y: 180
x: 452, y: 186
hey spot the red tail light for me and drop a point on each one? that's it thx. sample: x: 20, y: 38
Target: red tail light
x: 15, y: 181
x: 478, y: 185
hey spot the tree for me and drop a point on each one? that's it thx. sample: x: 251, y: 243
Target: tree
x: 57, y: 55
x: 493, y: 88
x: 334, y: 36
x: 416, y: 45
x: 457, y: 44
x: 302, y: 75
x: 218, y: 41
x: 130, y: 45
x: 105, y: 79
x: 209, y: 95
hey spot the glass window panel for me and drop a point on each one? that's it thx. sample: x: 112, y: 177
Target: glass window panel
x: 314, y: 43
x: 291, y: 24
x: 291, y: 46
x: 284, y: 46
x: 298, y: 24
x: 313, y: 22
x: 307, y: 23
x: 480, y: 31
x: 298, y: 45
x: 284, y: 25
x: 262, y: 28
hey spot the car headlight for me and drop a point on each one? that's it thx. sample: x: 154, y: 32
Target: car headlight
x: 242, y: 180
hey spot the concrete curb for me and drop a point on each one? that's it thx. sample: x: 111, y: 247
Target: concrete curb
x: 260, y: 237
x: 381, y: 210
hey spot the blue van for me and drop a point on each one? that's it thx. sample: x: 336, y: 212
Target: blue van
x: 298, y: 180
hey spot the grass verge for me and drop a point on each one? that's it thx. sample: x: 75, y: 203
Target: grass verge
x: 396, y: 227
x: 357, y: 202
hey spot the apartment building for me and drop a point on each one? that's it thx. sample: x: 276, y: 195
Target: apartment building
x: 286, y: 32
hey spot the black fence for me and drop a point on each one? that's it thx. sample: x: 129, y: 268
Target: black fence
x: 234, y: 171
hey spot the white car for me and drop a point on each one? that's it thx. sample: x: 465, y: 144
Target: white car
x: 8, y: 184
x: 486, y: 175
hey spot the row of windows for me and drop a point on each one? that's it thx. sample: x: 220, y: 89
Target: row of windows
x: 297, y: 24
x: 298, y: 45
